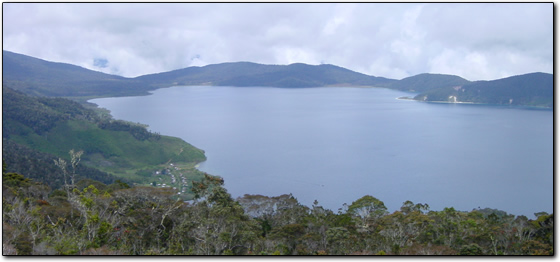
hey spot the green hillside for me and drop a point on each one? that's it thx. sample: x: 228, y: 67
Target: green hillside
x: 535, y: 89
x: 56, y: 125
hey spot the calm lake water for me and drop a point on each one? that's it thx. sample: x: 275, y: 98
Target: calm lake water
x: 336, y: 145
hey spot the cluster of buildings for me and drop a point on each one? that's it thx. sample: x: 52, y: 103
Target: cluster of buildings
x: 180, y: 186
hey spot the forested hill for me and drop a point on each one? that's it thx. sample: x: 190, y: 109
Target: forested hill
x: 252, y: 74
x: 424, y: 82
x: 534, y: 89
x: 56, y: 125
x: 34, y: 76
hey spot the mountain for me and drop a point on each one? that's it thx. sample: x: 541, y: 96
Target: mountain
x: 534, y: 89
x: 425, y: 82
x: 252, y: 74
x: 43, y: 78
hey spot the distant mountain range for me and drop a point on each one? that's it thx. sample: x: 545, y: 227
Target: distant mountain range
x: 252, y: 74
x: 43, y: 78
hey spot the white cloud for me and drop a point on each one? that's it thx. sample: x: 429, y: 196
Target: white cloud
x: 475, y: 41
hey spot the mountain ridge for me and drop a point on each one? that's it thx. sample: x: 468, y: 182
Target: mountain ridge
x: 39, y: 77
x: 254, y: 74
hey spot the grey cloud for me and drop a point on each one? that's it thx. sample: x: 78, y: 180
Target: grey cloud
x: 475, y: 41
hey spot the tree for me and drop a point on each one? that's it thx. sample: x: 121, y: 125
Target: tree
x: 471, y: 250
x: 368, y: 210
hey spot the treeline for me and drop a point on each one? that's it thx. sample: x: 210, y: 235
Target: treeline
x: 38, y: 113
x: 136, y: 130
x: 39, y: 166
x: 41, y: 114
x: 92, y: 218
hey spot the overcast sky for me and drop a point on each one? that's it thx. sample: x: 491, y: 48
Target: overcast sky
x: 476, y: 41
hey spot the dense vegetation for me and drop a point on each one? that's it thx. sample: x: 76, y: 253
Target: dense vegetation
x: 56, y: 125
x: 535, y: 89
x: 92, y: 218
x: 39, y: 166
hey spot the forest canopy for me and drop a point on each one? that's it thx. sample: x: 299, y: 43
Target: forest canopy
x: 93, y: 218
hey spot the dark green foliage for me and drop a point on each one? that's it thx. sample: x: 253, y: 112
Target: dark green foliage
x: 470, y: 250
x: 31, y: 112
x: 14, y: 180
x: 40, y: 114
x: 39, y: 166
x: 136, y: 130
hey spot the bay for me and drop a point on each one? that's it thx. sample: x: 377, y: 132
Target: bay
x: 337, y: 144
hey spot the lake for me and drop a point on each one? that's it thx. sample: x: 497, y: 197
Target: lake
x: 337, y: 144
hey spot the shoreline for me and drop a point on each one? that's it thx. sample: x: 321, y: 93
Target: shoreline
x: 474, y: 103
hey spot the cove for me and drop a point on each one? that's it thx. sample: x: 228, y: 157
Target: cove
x: 337, y: 144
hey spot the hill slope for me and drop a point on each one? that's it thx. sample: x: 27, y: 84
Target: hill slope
x: 251, y: 74
x: 534, y: 89
x: 424, y: 82
x: 56, y: 125
x: 43, y: 78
